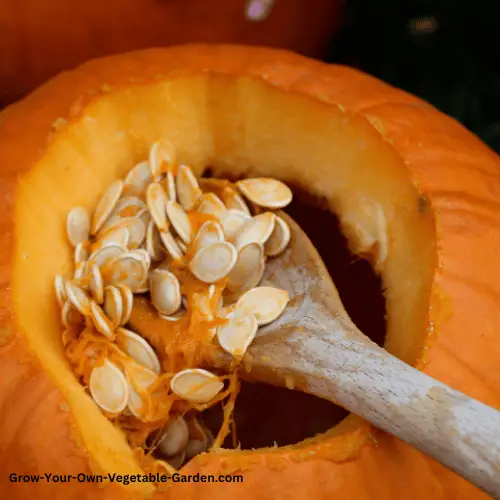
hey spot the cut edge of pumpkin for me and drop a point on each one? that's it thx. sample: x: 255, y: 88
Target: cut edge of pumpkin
x: 109, y: 135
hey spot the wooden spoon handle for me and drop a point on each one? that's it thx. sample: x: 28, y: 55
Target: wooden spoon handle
x: 337, y: 362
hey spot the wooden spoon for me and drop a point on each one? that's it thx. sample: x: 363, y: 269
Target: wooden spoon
x: 317, y: 347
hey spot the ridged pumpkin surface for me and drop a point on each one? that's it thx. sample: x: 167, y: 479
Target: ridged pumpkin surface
x: 442, y: 271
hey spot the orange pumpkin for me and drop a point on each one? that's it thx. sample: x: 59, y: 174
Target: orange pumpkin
x: 362, y: 146
x: 40, y: 39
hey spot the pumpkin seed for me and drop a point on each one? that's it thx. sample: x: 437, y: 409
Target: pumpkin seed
x: 113, y: 305
x: 106, y: 205
x: 138, y: 349
x: 265, y: 192
x: 249, y: 268
x: 257, y: 230
x: 145, y: 216
x: 279, y: 239
x: 81, y: 254
x: 78, y: 226
x: 69, y: 335
x: 108, y: 387
x: 129, y: 206
x: 188, y: 190
x: 136, y: 229
x: 118, y: 235
x: 211, y: 204
x: 142, y: 254
x: 196, y: 385
x: 173, y: 317
x: 70, y: 316
x: 165, y: 292
x: 60, y: 287
x: 78, y: 298
x: 79, y: 271
x: 138, y: 179
x: 162, y: 157
x: 177, y: 460
x: 183, y: 247
x: 96, y: 285
x: 153, y: 243
x: 100, y: 320
x: 171, y: 245
x: 127, y: 303
x: 142, y: 379
x: 210, y: 232
x: 214, y: 262
x: 174, y: 437
x: 266, y: 303
x: 171, y: 189
x: 199, y: 438
x: 233, y: 222
x: 103, y: 256
x: 157, y: 204
x: 233, y: 201
x: 127, y: 269
x: 238, y: 332
x: 179, y: 220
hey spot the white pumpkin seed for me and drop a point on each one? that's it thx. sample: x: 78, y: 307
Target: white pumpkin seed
x: 113, y: 305
x: 81, y: 254
x: 179, y: 220
x: 257, y: 230
x: 138, y: 349
x: 173, y: 317
x: 266, y: 192
x: 171, y: 245
x: 96, y: 285
x: 127, y: 269
x: 138, y: 179
x: 174, y: 437
x: 233, y: 222
x: 266, y: 303
x: 145, y: 216
x: 165, y: 292
x: 210, y: 232
x: 171, y: 189
x: 103, y: 256
x: 214, y: 262
x: 101, y: 322
x: 279, y: 239
x: 117, y: 235
x: 238, y: 332
x: 188, y: 190
x: 249, y: 268
x: 106, y: 205
x: 127, y: 303
x: 181, y: 245
x: 108, y: 387
x: 129, y: 206
x: 153, y: 243
x: 70, y: 316
x: 78, y: 298
x: 80, y: 271
x: 162, y: 157
x: 211, y: 204
x: 196, y: 385
x: 60, y: 287
x: 233, y: 201
x: 143, y: 379
x: 78, y: 226
x: 157, y: 204
x: 142, y: 254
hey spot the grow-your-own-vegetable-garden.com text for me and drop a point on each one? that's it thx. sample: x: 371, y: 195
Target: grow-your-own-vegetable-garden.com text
x: 125, y: 479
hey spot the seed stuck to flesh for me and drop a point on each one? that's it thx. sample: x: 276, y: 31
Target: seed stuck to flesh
x: 142, y: 379
x: 238, y: 332
x: 279, y: 239
x: 179, y: 220
x: 138, y: 349
x: 214, y: 262
x: 106, y: 205
x: 249, y: 268
x: 108, y: 387
x: 211, y: 204
x: 196, y: 385
x: 257, y: 230
x: 70, y: 316
x: 78, y: 226
x: 266, y: 303
x: 165, y: 292
x: 266, y: 192
x: 174, y: 437
x: 210, y: 232
x: 138, y: 179
x: 162, y: 157
x: 188, y: 190
x: 233, y: 222
x: 157, y: 204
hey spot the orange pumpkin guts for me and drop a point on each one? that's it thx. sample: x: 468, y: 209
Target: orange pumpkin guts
x: 414, y: 191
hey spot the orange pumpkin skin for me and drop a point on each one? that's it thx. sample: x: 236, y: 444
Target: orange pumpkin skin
x: 41, y: 39
x: 457, y: 173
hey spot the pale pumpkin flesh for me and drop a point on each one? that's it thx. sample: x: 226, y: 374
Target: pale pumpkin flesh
x: 239, y: 125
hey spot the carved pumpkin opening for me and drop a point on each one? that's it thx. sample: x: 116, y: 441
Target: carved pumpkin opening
x: 241, y: 126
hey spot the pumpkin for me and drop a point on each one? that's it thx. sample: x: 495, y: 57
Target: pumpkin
x: 40, y: 39
x: 414, y: 191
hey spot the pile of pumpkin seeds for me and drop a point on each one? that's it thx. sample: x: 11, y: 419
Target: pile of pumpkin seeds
x: 139, y: 228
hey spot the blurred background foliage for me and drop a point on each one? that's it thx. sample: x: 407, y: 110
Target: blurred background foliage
x: 445, y: 51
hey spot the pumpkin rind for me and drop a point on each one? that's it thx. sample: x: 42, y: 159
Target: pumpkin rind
x: 459, y: 181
